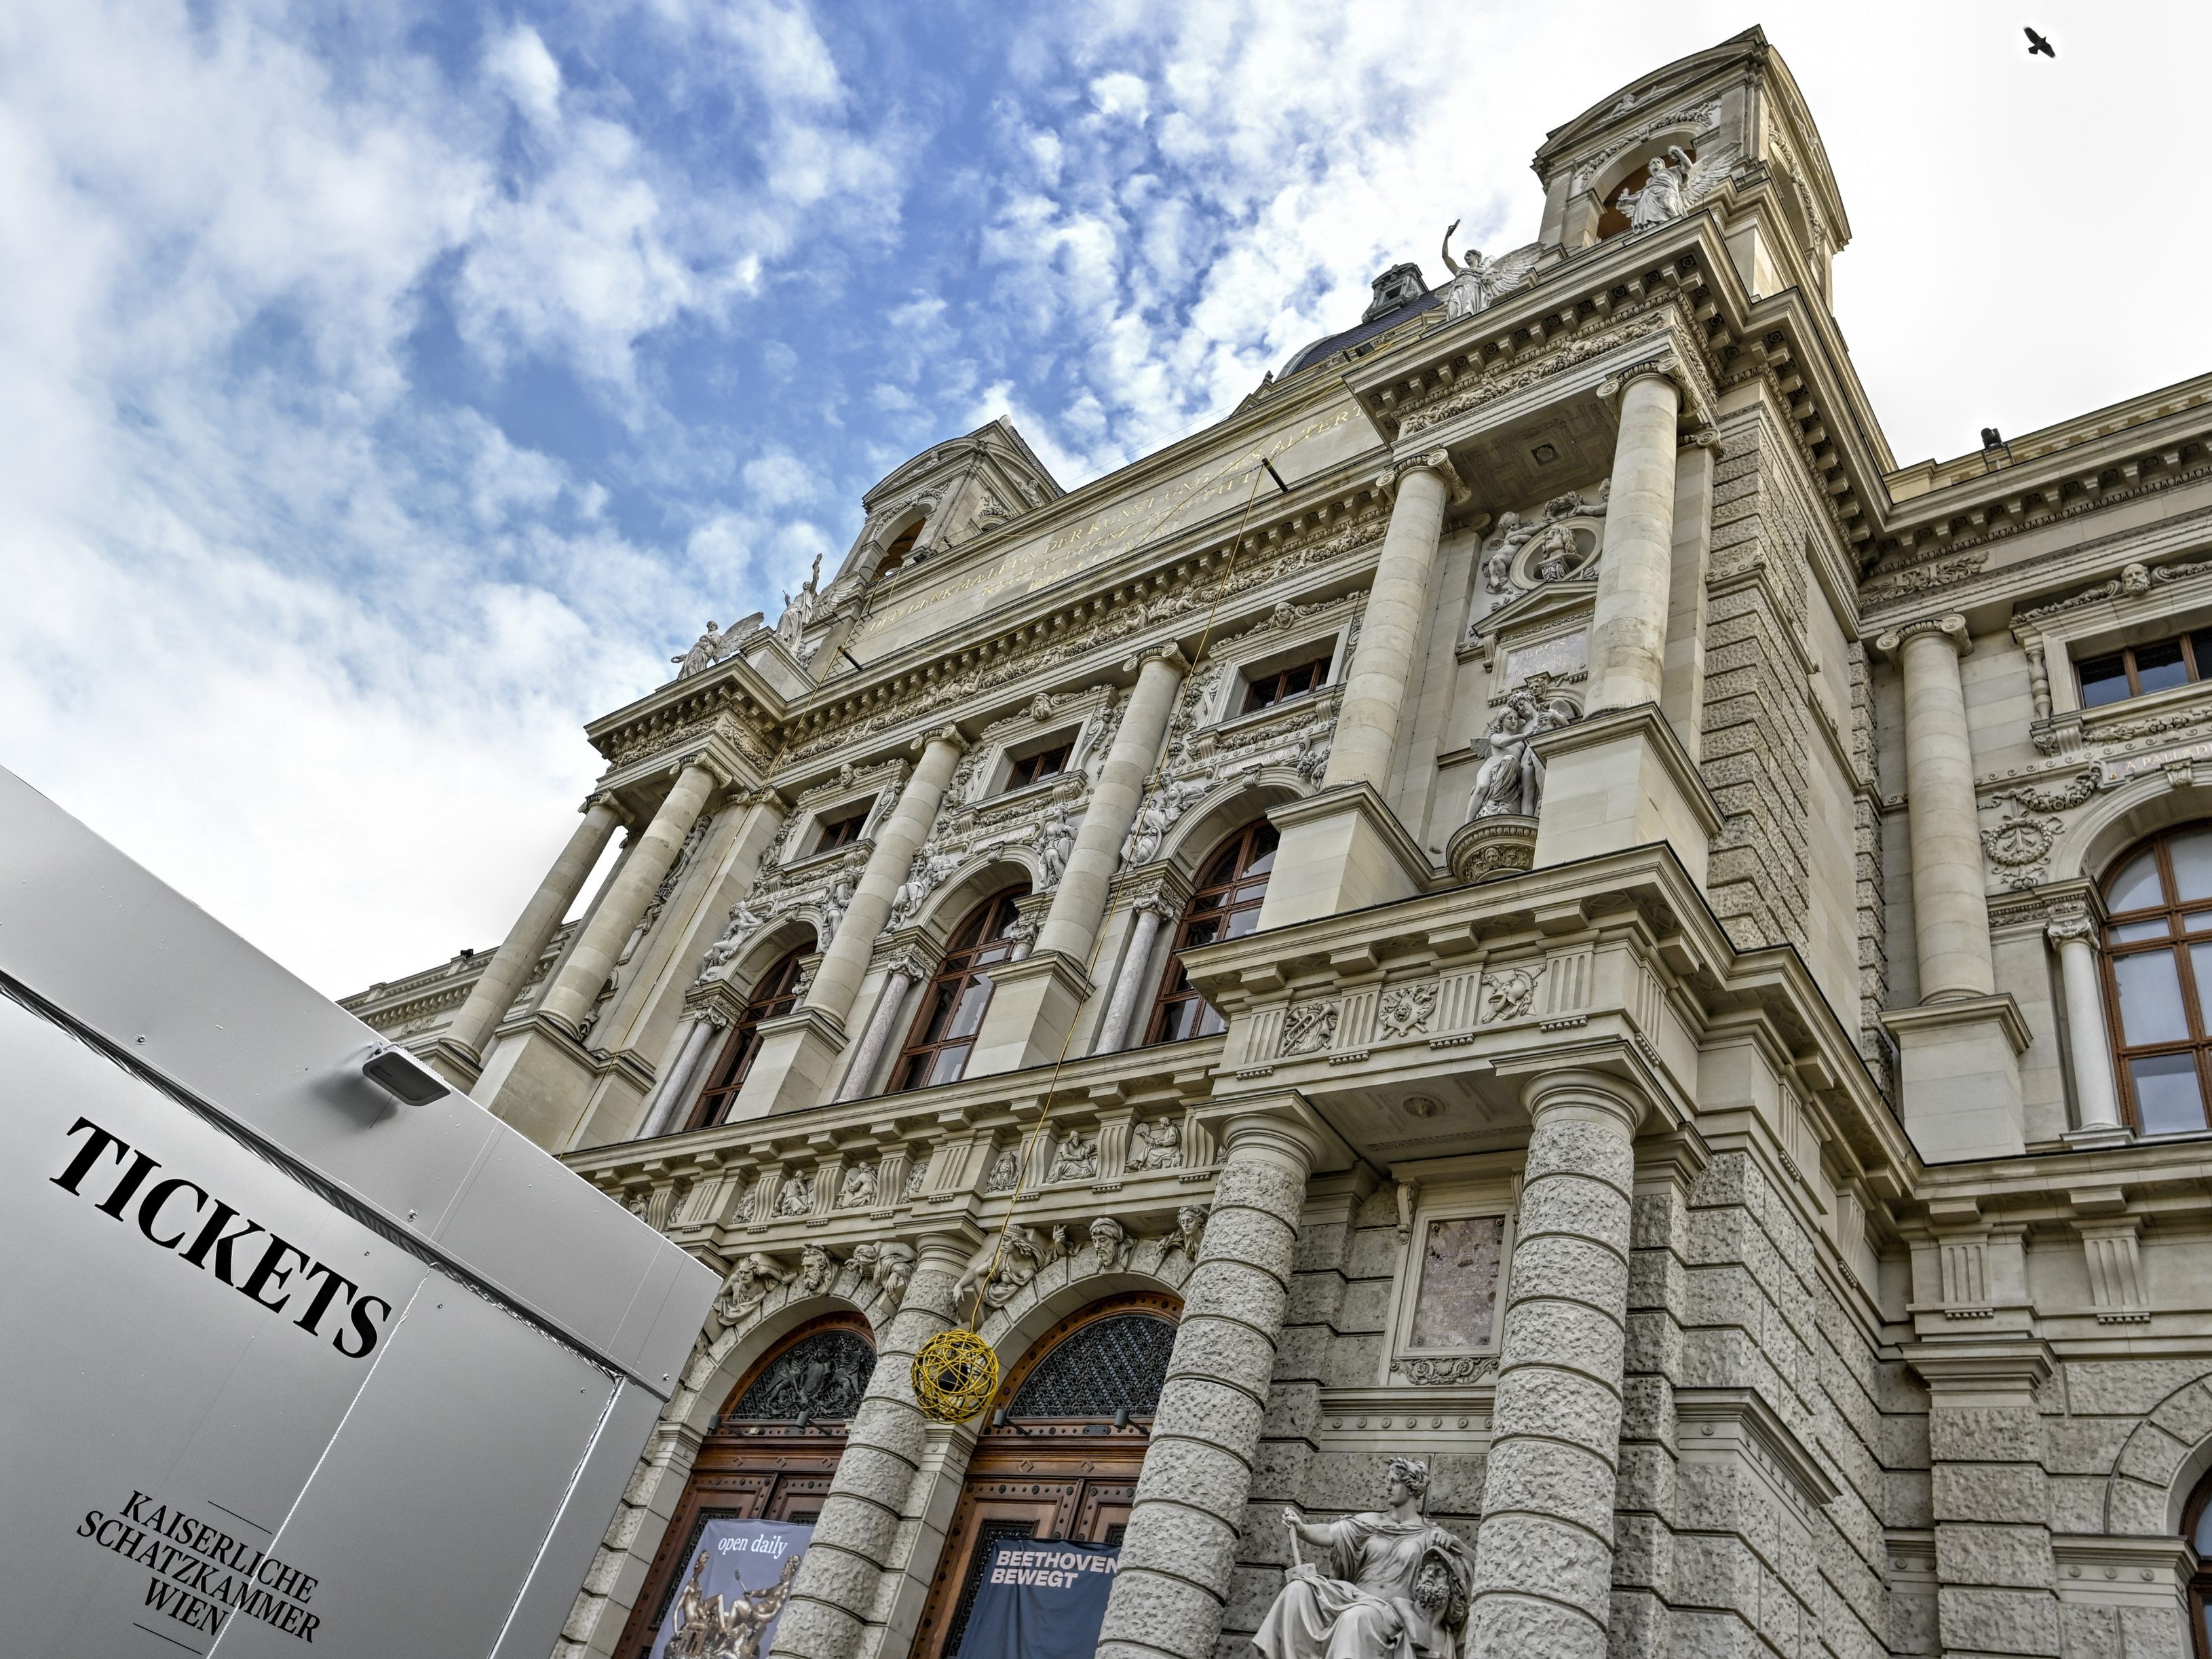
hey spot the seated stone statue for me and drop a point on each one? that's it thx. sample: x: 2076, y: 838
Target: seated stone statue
x: 1387, y: 1586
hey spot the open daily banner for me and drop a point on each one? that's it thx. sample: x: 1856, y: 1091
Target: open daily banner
x: 1041, y: 1601
x: 733, y: 1590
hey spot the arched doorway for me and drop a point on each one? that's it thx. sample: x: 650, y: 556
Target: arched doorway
x: 1060, y: 1457
x: 768, y: 1456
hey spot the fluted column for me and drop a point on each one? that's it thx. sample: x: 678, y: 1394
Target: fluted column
x: 1543, y: 1561
x: 592, y: 957
x: 1177, y: 1555
x: 905, y: 971
x: 1152, y: 914
x: 1391, y: 629
x: 505, y: 975
x: 1950, y: 909
x: 1628, y: 624
x: 674, y: 1091
x: 2075, y: 939
x: 855, y: 1537
x: 845, y: 963
x: 1079, y: 905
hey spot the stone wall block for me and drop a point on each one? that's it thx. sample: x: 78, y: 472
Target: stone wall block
x: 1322, y: 1246
x: 2134, y: 1509
x: 1208, y: 1411
x: 1158, y: 1614
x: 1581, y: 1148
x: 815, y: 1629
x: 1559, y: 1405
x: 1354, y: 1361
x: 1976, y: 1553
x: 1642, y: 1554
x: 1538, y: 1555
x: 1716, y: 1573
x: 1568, y: 1482
x: 2077, y: 1503
x: 1514, y: 1626
x: 1374, y: 1253
x: 1576, y: 1204
x: 1292, y: 1409
x: 1218, y: 1347
x: 1974, y: 1620
x: 2151, y: 1455
x: 1647, y: 1409
x: 2084, y: 1445
x: 1570, y: 1269
x: 1973, y: 1491
x: 2126, y: 1388
x: 1223, y: 1289
x: 1654, y: 1345
x: 1550, y: 1332
x: 1657, y: 1280
x: 1183, y: 1543
x: 2152, y: 1633
x: 1205, y: 1477
x: 1985, y: 1435
x: 1645, y: 1479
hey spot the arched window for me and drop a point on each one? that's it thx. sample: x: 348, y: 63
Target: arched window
x: 1225, y: 906
x: 953, y: 1001
x: 2196, y: 1528
x: 2158, y: 978
x: 770, y: 1455
x: 1059, y: 1455
x: 895, y: 554
x: 775, y: 995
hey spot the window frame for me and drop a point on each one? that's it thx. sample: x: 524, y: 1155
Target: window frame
x: 825, y: 826
x: 2176, y: 941
x: 774, y: 994
x: 1320, y: 665
x: 2187, y: 639
x: 977, y: 945
x: 1175, y: 988
x: 901, y: 549
x: 1061, y: 754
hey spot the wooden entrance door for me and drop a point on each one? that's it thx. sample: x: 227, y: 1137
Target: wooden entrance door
x: 1054, y: 1464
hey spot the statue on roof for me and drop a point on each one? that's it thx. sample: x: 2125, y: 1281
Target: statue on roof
x: 1475, y: 281
x: 1674, y: 185
x: 799, y: 609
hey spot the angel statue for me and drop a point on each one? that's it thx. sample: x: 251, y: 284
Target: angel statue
x: 1511, y: 780
x: 1388, y: 1584
x: 704, y: 653
x: 799, y: 609
x: 1673, y: 186
x: 1477, y: 280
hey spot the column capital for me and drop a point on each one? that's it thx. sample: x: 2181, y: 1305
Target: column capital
x: 607, y: 798
x: 1585, y: 1093
x: 1703, y: 437
x: 2072, y: 924
x: 1666, y: 367
x: 1438, y: 461
x: 1952, y: 628
x: 1167, y: 652
x: 947, y: 734
x: 707, y: 764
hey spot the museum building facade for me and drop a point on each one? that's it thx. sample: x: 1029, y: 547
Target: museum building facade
x: 1529, y: 901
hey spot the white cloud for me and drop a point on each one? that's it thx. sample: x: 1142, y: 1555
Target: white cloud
x: 518, y: 62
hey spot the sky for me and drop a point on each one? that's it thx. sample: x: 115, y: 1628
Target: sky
x: 387, y: 388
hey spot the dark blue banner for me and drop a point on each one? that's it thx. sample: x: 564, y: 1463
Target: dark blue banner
x: 733, y: 1590
x: 1040, y: 1601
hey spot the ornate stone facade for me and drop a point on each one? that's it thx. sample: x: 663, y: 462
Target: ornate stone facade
x: 1570, y: 940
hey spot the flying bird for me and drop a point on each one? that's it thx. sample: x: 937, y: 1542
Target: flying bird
x: 2036, y: 43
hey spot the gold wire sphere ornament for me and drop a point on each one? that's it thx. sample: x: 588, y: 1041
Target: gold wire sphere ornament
x: 955, y: 1375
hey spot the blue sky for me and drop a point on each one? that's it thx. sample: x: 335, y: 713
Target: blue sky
x: 392, y: 387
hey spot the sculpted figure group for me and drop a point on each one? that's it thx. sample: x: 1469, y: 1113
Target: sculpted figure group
x: 1382, y: 1585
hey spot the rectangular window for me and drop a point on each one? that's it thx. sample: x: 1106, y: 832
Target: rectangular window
x: 841, y: 831
x: 1037, y: 768
x: 1266, y: 690
x: 2139, y: 669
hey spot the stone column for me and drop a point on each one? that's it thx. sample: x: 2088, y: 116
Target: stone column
x: 674, y: 1091
x: 2074, y: 937
x: 1950, y: 911
x: 834, y: 1600
x: 905, y: 970
x: 845, y: 961
x: 1628, y: 627
x: 505, y: 975
x: 1152, y: 914
x: 1079, y: 905
x: 1177, y: 1557
x: 1543, y: 1564
x: 1391, y: 629
x: 592, y: 957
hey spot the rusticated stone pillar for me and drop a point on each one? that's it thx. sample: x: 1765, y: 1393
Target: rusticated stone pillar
x: 845, y: 961
x: 504, y: 975
x: 835, y: 1596
x: 1543, y: 1560
x: 1628, y: 625
x: 1391, y: 629
x: 1950, y: 909
x: 1182, y: 1543
x: 592, y: 957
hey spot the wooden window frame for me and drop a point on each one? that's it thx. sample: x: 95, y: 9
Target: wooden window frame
x: 977, y: 947
x: 2176, y: 941
x: 2126, y: 653
x: 830, y: 833
x: 1174, y: 988
x: 1320, y: 665
x: 775, y: 995
x: 1058, y: 755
